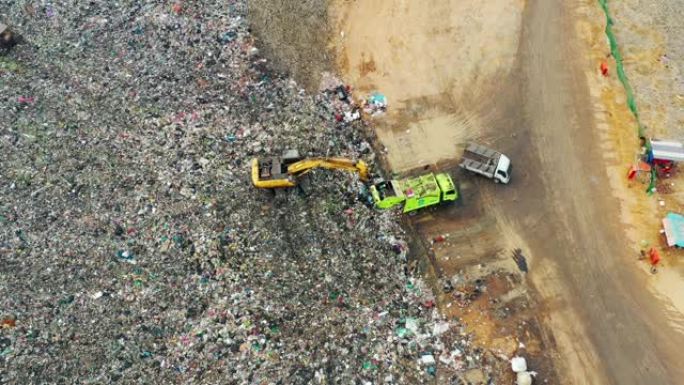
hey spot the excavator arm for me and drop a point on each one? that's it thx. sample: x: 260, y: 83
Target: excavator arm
x: 279, y: 173
x: 306, y: 165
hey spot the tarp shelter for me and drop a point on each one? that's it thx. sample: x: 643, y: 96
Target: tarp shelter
x: 667, y: 150
x: 674, y: 229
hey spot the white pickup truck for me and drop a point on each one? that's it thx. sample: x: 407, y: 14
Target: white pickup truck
x: 486, y: 162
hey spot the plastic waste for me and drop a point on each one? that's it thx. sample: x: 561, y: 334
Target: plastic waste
x: 518, y: 364
x: 428, y: 359
x: 440, y: 328
x: 524, y: 378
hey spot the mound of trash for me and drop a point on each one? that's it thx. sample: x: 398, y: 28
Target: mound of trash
x: 134, y: 247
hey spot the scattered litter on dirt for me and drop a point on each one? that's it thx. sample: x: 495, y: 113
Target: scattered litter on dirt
x: 376, y: 103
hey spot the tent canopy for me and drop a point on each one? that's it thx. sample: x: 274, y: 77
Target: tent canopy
x: 668, y: 150
x: 674, y: 229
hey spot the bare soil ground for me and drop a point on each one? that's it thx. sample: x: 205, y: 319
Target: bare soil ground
x: 524, y: 81
x: 436, y: 64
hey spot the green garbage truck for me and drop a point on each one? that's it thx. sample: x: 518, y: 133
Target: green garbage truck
x: 414, y: 193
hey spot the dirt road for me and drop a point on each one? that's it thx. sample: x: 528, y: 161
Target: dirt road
x: 608, y: 327
x: 569, y: 217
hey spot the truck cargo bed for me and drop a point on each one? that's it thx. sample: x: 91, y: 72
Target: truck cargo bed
x: 480, y: 158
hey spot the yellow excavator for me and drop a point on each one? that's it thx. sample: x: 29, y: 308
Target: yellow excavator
x: 284, y: 171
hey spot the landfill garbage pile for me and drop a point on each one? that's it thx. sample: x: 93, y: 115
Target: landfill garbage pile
x: 294, y: 35
x: 134, y: 248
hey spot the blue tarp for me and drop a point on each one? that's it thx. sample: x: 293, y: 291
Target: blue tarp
x: 377, y: 98
x: 674, y: 229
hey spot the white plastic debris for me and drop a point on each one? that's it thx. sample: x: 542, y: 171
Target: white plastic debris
x: 428, y: 359
x: 440, y: 328
x: 524, y: 378
x: 412, y: 325
x: 450, y: 359
x: 351, y: 116
x: 446, y: 360
x: 518, y: 364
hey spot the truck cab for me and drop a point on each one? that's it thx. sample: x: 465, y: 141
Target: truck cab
x: 503, y: 170
x: 446, y: 186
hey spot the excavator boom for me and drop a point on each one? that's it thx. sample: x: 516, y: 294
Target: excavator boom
x: 306, y: 165
x: 283, y: 172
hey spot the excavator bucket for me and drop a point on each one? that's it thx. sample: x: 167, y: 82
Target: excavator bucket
x: 306, y: 165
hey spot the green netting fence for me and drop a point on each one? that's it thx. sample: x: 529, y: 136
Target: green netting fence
x: 622, y: 76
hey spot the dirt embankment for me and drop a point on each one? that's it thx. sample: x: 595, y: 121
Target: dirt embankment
x: 293, y: 36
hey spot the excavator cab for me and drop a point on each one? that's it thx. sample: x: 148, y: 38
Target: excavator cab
x: 274, y: 168
x: 273, y: 172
